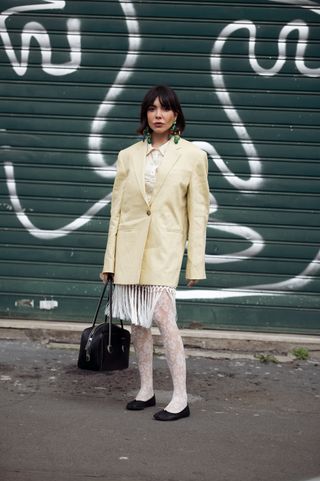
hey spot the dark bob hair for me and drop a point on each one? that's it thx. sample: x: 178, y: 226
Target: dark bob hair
x: 168, y: 99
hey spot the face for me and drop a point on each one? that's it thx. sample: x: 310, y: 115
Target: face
x: 159, y: 118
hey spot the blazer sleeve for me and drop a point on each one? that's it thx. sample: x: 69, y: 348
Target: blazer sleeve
x: 118, y: 186
x: 198, y: 212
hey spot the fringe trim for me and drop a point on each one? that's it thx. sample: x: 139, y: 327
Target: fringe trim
x: 136, y: 303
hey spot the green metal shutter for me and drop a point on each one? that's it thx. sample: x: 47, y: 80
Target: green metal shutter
x: 247, y: 73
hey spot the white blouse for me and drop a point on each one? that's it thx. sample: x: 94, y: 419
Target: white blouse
x: 154, y: 157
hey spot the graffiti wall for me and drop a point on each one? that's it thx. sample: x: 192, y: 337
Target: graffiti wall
x: 247, y: 74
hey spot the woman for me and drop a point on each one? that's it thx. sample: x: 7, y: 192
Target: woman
x: 160, y: 200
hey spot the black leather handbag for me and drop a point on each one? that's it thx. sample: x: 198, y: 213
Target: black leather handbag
x: 104, y: 347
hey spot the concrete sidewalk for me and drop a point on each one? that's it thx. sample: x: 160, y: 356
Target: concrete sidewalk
x: 250, y: 421
x: 206, y: 343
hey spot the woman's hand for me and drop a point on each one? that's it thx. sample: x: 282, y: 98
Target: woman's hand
x: 104, y: 276
x: 191, y: 282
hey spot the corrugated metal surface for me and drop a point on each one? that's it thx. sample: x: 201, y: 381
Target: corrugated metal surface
x: 247, y: 73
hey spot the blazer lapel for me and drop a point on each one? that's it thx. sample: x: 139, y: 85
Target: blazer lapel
x: 171, y: 156
x: 139, y: 159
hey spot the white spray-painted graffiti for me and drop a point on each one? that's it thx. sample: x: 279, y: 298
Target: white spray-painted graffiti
x: 38, y: 32
x: 95, y: 156
x: 103, y: 169
x: 255, y: 179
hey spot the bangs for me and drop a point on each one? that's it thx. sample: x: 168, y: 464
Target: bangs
x: 164, y: 99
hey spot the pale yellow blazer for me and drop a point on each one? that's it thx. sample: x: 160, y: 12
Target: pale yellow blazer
x: 147, y: 240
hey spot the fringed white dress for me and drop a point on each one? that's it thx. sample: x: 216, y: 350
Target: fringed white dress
x: 135, y: 302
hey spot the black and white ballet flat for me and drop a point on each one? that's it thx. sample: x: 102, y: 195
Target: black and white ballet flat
x: 139, y: 405
x: 164, y: 415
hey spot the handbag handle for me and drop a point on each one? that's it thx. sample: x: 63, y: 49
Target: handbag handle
x: 101, y: 299
x: 110, y: 283
x: 93, y: 328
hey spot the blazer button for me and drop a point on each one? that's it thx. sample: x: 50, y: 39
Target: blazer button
x: 148, y: 212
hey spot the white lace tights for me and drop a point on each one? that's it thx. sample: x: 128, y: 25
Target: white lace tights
x: 165, y: 318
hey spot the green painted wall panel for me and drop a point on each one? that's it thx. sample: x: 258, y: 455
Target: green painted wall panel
x: 72, y: 127
x: 256, y: 114
x: 271, y: 117
x: 293, y: 256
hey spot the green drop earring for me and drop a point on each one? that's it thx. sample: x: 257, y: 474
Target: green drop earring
x: 174, y: 132
x: 147, y: 135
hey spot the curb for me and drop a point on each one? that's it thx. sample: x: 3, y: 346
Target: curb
x: 202, y: 343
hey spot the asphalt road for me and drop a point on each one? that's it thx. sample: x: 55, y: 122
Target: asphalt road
x: 249, y: 421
